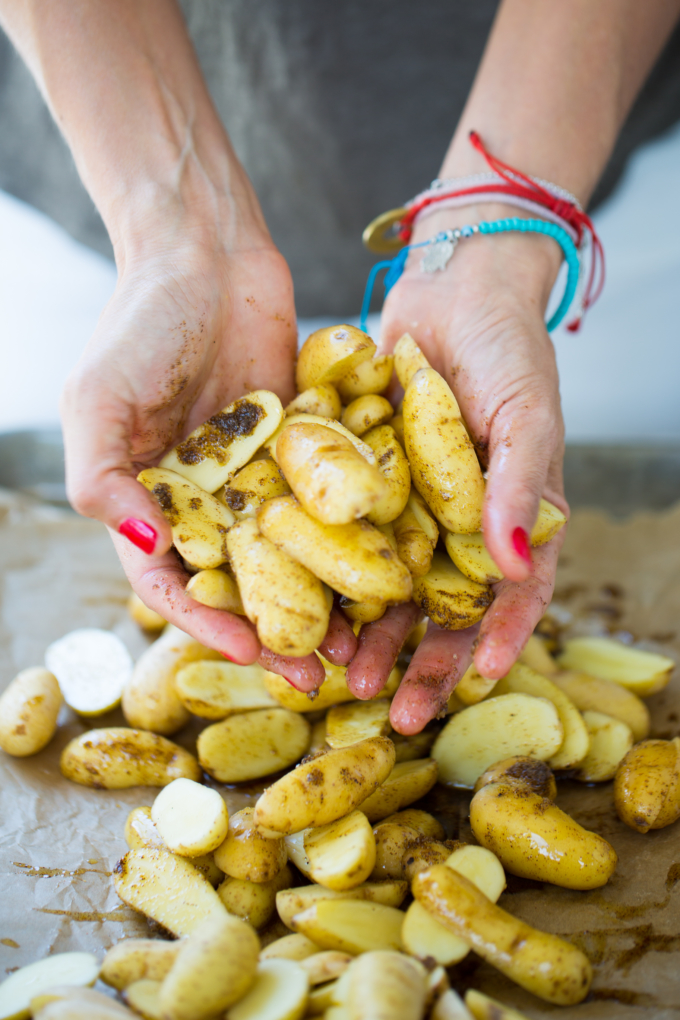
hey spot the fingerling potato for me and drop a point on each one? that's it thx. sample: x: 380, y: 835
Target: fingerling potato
x: 331, y: 353
x: 191, y: 819
x: 290, y: 902
x: 215, y: 690
x: 250, y: 745
x: 647, y: 785
x: 216, y: 589
x: 246, y: 854
x: 392, y: 840
x: 333, y: 690
x: 415, y: 544
x: 254, y: 902
x: 366, y: 412
x: 29, y: 708
x: 359, y: 445
x: 148, y: 619
x: 278, y: 993
x: 472, y: 558
x: 473, y: 687
x: 536, y: 775
x: 450, y: 599
x: 322, y: 400
x: 290, y: 947
x: 592, y: 693
x: 251, y: 486
x: 341, y: 854
x: 408, y: 359
x: 387, y: 985
x: 118, y: 758
x: 134, y: 959
x: 362, y: 612
x: 393, y: 465
x: 141, y: 831
x: 536, y: 655
x: 406, y: 783
x: 355, y: 721
x: 610, y: 742
x: 351, y: 926
x: 370, y: 376
x: 550, y: 520
x: 643, y: 673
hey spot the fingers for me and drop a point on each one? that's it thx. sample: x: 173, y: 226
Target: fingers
x: 517, y: 608
x: 305, y: 673
x: 437, y: 665
x: 160, y: 582
x: 379, y: 645
x: 340, y: 643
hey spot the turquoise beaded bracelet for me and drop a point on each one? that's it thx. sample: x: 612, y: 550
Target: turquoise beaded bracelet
x: 443, y: 245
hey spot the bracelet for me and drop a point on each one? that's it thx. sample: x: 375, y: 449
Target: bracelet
x: 442, y: 246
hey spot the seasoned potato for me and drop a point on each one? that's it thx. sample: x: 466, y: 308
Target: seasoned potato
x: 330, y: 423
x: 366, y: 413
x: 643, y: 673
x: 415, y: 746
x: 536, y: 655
x: 423, y: 822
x: 199, y: 522
x: 29, y: 707
x: 217, y: 589
x: 143, y: 879
x: 148, y: 619
x: 473, y: 687
x: 331, y: 353
x: 351, y: 926
x: 322, y: 400
x: 647, y: 785
x: 141, y: 831
x: 295, y: 848
x: 450, y: 599
x: 370, y: 376
x: 150, y: 700
x: 341, y: 855
x: 393, y: 465
x: 362, y: 612
x: 546, y: 965
x: 531, y: 772
x: 426, y: 852
x: 408, y: 359
x: 254, y: 902
x: 483, y: 1007
x: 444, y: 465
x: 117, y: 758
x: 387, y: 985
x: 392, y: 840
x: 325, y: 966
x: 278, y: 993
x: 397, y: 424
x: 284, y: 599
x: 246, y: 854
x: 251, y: 486
x: 290, y: 947
x: 215, y: 451
x: 332, y: 481
x: 134, y: 959
x: 350, y: 723
x: 333, y: 690
x: 191, y: 819
x: 414, y: 545
x: 407, y: 782
x: 534, y: 839
x: 472, y: 557
x: 294, y: 901
x: 592, y: 693
x: 610, y: 742
x: 326, y: 788
x: 354, y: 559
x: 215, y: 690
x: 253, y: 744
x: 550, y: 520
x: 17, y: 990
x: 492, y: 730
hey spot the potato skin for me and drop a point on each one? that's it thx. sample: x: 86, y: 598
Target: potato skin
x: 370, y: 376
x: 322, y: 400
x: 450, y: 599
x: 387, y: 985
x: 29, y: 707
x: 246, y: 854
x: 407, y: 782
x: 531, y: 772
x: 393, y: 465
x: 366, y: 413
x: 330, y: 353
x: 647, y: 785
x: 118, y: 758
x: 248, y: 489
x: 136, y: 959
x: 544, y: 964
x: 408, y: 359
x: 590, y: 693
x: 253, y: 744
x: 413, y: 545
x: 534, y: 839
x: 254, y: 902
x: 217, y: 589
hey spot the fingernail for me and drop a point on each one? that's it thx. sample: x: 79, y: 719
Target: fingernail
x: 140, y: 534
x: 520, y: 541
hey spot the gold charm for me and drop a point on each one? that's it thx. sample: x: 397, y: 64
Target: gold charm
x: 374, y: 235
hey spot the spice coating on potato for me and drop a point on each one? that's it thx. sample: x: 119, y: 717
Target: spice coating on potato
x: 253, y: 744
x: 393, y: 465
x: 647, y: 785
x: 450, y: 599
x: 118, y: 758
x: 246, y: 854
x: 370, y: 376
x: 366, y: 413
x: 330, y: 353
x: 29, y: 708
x: 519, y: 768
x: 251, y: 486
x: 472, y: 558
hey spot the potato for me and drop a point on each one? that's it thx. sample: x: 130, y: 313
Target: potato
x: 397, y: 425
x: 450, y: 599
x: 492, y: 730
x: 332, y: 481
x: 537, y: 775
x: 341, y: 854
x: 426, y: 852
x: 148, y: 619
x: 150, y: 700
x: 331, y: 353
x: 290, y: 947
x: 191, y: 819
x: 333, y: 690
x: 393, y: 465
x: 483, y: 1007
x: 414, y: 545
x: 415, y: 746
x: 392, y: 841
x: 215, y: 451
x: 407, y: 782
x: 254, y: 902
x: 214, y: 968
x: 141, y: 831
x: 550, y: 520
x: 643, y: 673
x: 592, y: 693
x: 166, y: 888
x: 647, y: 785
x: 408, y: 359
x: 362, y: 612
x: 199, y: 522
x: 423, y: 822
x: 216, y: 690
x: 117, y: 758
x: 318, y: 741
x: 366, y: 412
x: 71, y: 1002
x: 473, y: 687
x: 217, y: 589
x: 330, y: 423
x: 322, y: 400
x: 246, y: 854
x: 536, y: 655
x: 610, y: 742
x: 279, y: 993
x: 534, y: 839
x: 544, y: 964
x: 576, y: 741
x: 370, y: 376
x: 450, y: 1006
x: 326, y: 788
x: 250, y: 745
x: 355, y: 559
x: 355, y: 721
x: 386, y: 985
x: 444, y: 465
x: 144, y: 997
x: 134, y: 959
x: 291, y: 902
x: 17, y: 990
x: 472, y: 557
x: 29, y: 708
x: 92, y: 667
x: 251, y: 486
x: 351, y: 926
x: 325, y: 966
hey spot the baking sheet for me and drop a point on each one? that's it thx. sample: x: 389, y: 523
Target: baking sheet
x: 59, y: 842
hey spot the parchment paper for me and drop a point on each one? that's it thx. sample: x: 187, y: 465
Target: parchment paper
x: 59, y: 842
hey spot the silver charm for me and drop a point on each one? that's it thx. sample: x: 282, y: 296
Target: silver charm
x: 438, y: 254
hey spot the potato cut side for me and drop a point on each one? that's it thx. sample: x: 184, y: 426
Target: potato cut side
x: 370, y: 376
x: 473, y: 687
x: 472, y: 558
x: 29, y: 709
x: 550, y: 520
x: 423, y: 822
x: 321, y: 1000
x: 141, y: 831
x: 217, y: 449
x: 350, y: 723
x: 492, y: 730
x: 144, y: 998
x: 327, y: 965
x: 450, y: 1006
x: 198, y: 521
x: 592, y: 693
x: 246, y: 854
x: 333, y: 691
x: 294, y: 901
x: 133, y: 960
x: 643, y: 673
x: 407, y: 782
x: 217, y: 589
x: 278, y: 993
x: 647, y: 785
x: 366, y: 413
x: 341, y: 855
x: 148, y: 619
x: 92, y: 667
x: 536, y: 655
x: 355, y: 559
x: 290, y: 947
x: 483, y: 1007
x: 610, y: 742
x: 330, y: 423
x: 254, y: 902
x: 323, y: 400
x: 117, y: 758
x: 215, y: 690
x: 250, y: 745
x: 393, y: 465
x: 72, y: 1002
x: 423, y: 516
x: 351, y: 926
x: 17, y: 990
x: 331, y: 353
x: 416, y: 534
x: 387, y: 985
x: 191, y: 819
x: 251, y: 486
x: 408, y: 359
x: 450, y: 599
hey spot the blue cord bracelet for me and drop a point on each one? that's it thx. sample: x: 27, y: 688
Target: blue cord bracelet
x: 395, y: 266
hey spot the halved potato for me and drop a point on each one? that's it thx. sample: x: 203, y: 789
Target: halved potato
x: 250, y: 745
x: 92, y: 667
x: 406, y: 783
x: 141, y: 831
x: 416, y: 534
x: 350, y: 723
x: 417, y: 745
x: 370, y: 376
x: 251, y: 486
x: 387, y: 985
x: 647, y: 785
x: 643, y: 673
x: 71, y: 1002
x: 450, y: 599
x: 392, y: 840
x: 472, y: 558
x: 366, y: 413
x: 132, y: 960
x: 215, y: 690
x: 17, y: 990
x: 217, y: 589
x: 341, y: 854
x: 278, y: 993
x: 393, y: 465
x: 327, y: 965
x: 215, y: 451
x: 191, y: 819
x: 331, y: 353
x: 351, y: 926
x: 290, y: 902
x: 550, y: 520
x: 408, y: 359
x: 610, y: 742
x: 254, y: 902
x: 290, y: 947
x: 536, y: 655
x: 118, y: 758
x: 592, y: 693
x: 246, y: 854
x: 322, y: 400
x: 330, y: 423
x: 473, y: 687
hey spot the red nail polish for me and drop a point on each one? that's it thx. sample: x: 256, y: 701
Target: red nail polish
x: 227, y: 657
x: 140, y: 534
x: 520, y: 541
